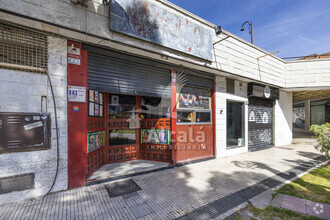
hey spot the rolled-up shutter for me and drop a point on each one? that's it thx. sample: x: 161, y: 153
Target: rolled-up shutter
x: 198, y: 79
x: 115, y: 74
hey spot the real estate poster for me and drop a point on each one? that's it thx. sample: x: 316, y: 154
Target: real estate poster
x: 101, y: 98
x: 97, y: 110
x: 91, y: 95
x: 91, y: 109
x: 96, y: 97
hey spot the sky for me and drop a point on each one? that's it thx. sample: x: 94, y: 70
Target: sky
x: 294, y: 27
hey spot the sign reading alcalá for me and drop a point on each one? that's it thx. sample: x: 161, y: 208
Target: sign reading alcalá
x: 152, y: 21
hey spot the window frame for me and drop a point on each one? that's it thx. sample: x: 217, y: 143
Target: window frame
x: 195, y: 122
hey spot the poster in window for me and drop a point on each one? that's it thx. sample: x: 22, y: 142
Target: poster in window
x: 91, y: 95
x: 114, y: 100
x: 152, y: 136
x: 95, y: 141
x: 91, y: 109
x: 96, y: 98
x: 101, y: 98
x: 101, y: 111
x: 97, y: 110
x: 193, y: 98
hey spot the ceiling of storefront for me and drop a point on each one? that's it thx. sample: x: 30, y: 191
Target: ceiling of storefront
x: 315, y: 94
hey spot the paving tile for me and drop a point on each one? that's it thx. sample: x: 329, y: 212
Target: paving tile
x: 295, y: 205
x: 172, y: 193
x: 318, y: 211
x: 312, y: 204
x: 141, y: 210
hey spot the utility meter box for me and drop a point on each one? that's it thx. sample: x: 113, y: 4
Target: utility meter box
x: 20, y: 132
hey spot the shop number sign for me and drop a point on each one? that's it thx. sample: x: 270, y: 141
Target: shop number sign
x: 76, y: 94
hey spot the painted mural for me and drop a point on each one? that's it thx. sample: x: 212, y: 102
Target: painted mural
x: 151, y: 21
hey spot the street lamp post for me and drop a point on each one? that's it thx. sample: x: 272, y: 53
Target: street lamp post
x: 250, y: 29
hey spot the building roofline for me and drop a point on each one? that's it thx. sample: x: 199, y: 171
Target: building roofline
x: 307, y: 60
x: 205, y: 22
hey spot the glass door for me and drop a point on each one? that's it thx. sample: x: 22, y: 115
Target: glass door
x: 235, y: 124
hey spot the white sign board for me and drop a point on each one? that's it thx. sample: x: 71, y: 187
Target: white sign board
x: 73, y: 61
x: 76, y: 94
x: 33, y: 125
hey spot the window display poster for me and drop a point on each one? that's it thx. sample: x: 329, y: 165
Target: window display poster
x: 91, y: 95
x: 114, y: 100
x: 96, y: 97
x: 101, y: 111
x: 193, y: 98
x: 91, y: 109
x: 95, y: 141
x: 97, y: 109
x: 101, y: 98
x: 152, y: 136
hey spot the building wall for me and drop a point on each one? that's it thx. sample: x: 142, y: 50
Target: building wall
x: 241, y: 58
x: 283, y: 119
x: 308, y: 73
x: 221, y: 98
x: 232, y: 56
x: 21, y: 92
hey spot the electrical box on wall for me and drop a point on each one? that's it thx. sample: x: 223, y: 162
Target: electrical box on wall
x: 20, y: 132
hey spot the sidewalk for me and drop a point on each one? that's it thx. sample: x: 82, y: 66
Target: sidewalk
x: 198, y: 191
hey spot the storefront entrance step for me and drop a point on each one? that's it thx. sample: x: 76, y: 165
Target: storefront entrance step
x: 122, y: 170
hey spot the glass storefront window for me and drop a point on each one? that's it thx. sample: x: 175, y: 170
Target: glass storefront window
x: 320, y: 112
x: 235, y: 124
x: 193, y: 105
x: 298, y: 115
x: 189, y: 97
x: 185, y: 116
x: 122, y: 106
x: 203, y: 117
x: 122, y: 137
x: 155, y: 107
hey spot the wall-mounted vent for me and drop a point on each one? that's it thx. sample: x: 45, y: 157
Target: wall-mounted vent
x: 16, y: 183
x: 22, y: 49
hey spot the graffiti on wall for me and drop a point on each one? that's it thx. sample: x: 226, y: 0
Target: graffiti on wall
x: 152, y: 21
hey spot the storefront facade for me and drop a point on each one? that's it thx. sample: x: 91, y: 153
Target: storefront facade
x: 313, y: 109
x: 138, y: 109
x: 157, y: 93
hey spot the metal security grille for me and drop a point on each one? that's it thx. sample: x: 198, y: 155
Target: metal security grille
x: 22, y: 49
x: 260, y: 123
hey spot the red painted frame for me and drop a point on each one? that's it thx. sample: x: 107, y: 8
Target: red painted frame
x: 173, y: 117
x: 77, y: 123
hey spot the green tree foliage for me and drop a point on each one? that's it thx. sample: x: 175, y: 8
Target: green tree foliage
x: 322, y: 134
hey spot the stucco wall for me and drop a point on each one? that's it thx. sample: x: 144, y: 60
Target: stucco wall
x: 221, y: 98
x: 21, y: 92
x: 283, y: 119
